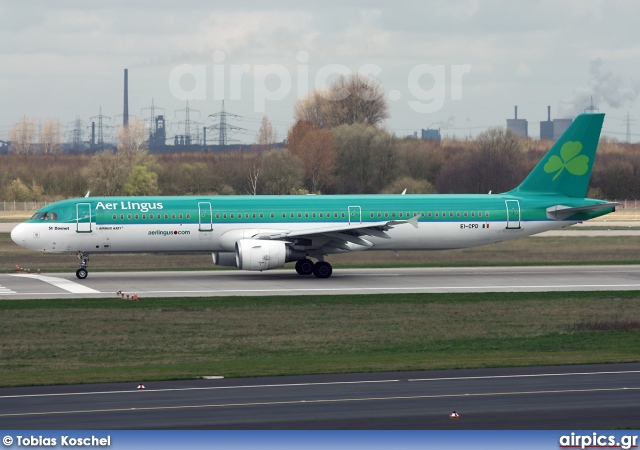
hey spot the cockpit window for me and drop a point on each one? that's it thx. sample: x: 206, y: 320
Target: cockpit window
x: 45, y: 216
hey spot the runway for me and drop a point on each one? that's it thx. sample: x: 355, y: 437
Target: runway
x: 584, y: 397
x: 343, y: 281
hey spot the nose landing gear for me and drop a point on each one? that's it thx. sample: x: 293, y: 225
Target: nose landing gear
x: 84, y: 262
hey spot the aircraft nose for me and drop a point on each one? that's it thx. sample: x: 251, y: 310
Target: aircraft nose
x: 19, y: 235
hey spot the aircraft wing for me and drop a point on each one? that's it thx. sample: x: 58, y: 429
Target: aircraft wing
x: 561, y: 212
x: 339, y: 235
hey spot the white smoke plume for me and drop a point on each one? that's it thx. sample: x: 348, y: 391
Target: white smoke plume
x: 606, y: 89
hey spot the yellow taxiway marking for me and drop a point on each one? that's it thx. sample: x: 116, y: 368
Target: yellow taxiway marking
x: 336, y: 400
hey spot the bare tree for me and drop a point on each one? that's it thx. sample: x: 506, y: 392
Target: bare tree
x: 132, y: 138
x: 493, y: 163
x: 22, y: 135
x: 267, y: 135
x: 50, y: 136
x: 254, y: 172
x: 348, y: 100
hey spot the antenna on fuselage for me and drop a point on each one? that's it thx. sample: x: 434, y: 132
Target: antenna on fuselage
x: 404, y: 192
x: 87, y: 194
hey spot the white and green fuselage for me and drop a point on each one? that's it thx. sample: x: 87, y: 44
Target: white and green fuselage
x: 265, y: 232
x: 209, y: 224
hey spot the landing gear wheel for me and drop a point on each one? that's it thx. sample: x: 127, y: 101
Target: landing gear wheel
x: 322, y: 269
x: 84, y: 262
x: 304, y: 267
x: 82, y: 273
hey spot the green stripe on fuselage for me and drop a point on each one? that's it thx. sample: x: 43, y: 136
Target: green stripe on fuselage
x: 354, y: 208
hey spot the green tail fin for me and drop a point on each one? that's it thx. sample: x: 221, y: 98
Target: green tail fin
x: 566, y: 168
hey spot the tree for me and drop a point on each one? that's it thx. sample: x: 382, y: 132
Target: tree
x: 108, y: 172
x: 296, y: 134
x: 412, y: 185
x: 132, y: 138
x: 348, y: 100
x: 281, y: 173
x: 267, y: 135
x: 22, y: 136
x: 18, y: 191
x: 141, y: 181
x: 367, y: 158
x: 316, y: 153
x: 494, y: 164
x: 194, y: 178
x: 50, y: 136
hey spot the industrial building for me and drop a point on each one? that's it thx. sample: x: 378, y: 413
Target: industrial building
x: 432, y: 135
x: 518, y: 126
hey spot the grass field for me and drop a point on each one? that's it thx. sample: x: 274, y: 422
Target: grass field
x: 103, y: 340
x: 85, y: 341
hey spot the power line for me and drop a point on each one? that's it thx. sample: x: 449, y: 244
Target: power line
x: 628, y: 120
x: 224, y: 128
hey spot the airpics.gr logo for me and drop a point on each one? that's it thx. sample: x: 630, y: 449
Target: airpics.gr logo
x: 571, y: 160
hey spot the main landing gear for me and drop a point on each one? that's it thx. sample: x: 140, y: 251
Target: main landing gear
x: 84, y: 262
x: 321, y: 269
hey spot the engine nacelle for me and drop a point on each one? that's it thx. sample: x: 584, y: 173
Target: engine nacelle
x: 224, y: 259
x: 256, y: 254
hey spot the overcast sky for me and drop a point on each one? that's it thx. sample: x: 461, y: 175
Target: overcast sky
x: 458, y: 65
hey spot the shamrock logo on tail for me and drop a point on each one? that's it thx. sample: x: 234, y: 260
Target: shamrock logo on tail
x: 574, y: 163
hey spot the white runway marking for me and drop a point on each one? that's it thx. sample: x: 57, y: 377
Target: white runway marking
x: 61, y: 283
x: 4, y: 290
x: 329, y: 383
x: 576, y: 287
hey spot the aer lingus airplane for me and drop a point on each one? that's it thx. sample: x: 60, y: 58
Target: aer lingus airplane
x: 265, y: 232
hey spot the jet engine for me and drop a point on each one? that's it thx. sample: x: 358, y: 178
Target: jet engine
x: 224, y: 259
x: 256, y: 254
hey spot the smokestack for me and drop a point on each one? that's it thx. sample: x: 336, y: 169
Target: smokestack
x: 549, y: 113
x: 125, y: 112
x: 516, y: 112
x: 93, y: 134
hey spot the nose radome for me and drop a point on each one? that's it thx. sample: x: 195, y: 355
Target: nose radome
x: 19, y: 235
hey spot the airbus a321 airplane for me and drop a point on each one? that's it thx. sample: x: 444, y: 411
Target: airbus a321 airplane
x: 265, y: 232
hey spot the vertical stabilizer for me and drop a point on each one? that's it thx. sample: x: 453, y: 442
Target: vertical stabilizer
x: 566, y: 168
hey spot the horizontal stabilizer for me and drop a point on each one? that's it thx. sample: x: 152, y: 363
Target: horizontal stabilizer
x: 561, y: 212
